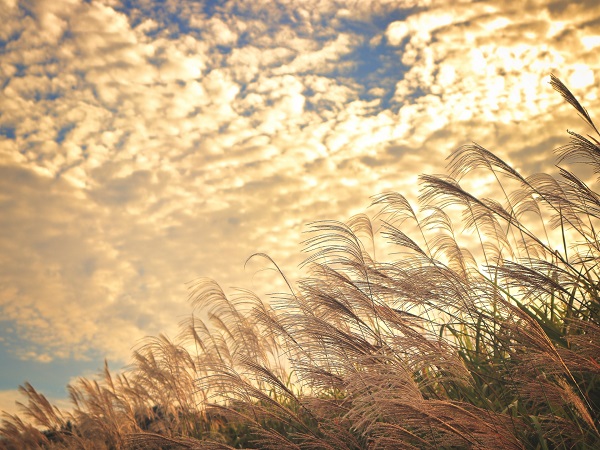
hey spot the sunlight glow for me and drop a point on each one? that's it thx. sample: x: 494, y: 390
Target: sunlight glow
x: 349, y: 182
x: 581, y: 77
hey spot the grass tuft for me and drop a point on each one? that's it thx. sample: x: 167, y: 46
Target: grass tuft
x: 482, y: 333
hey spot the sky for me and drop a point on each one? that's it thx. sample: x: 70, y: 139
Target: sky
x: 145, y: 144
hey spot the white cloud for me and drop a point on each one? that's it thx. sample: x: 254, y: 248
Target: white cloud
x: 220, y: 31
x: 507, y: 66
x: 581, y: 76
x: 8, y: 399
x: 321, y: 60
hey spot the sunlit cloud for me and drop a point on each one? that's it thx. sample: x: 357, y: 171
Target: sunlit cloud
x: 8, y: 401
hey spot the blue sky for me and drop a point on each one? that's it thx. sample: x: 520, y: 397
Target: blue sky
x: 145, y: 144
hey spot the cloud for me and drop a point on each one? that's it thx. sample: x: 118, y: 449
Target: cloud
x: 8, y: 399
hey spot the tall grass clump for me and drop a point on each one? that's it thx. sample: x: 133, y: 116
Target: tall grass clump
x: 482, y: 332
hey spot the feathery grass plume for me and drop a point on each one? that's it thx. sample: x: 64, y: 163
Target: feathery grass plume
x: 479, y: 334
x: 570, y: 98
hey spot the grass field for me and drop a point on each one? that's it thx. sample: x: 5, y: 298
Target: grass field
x: 481, y: 331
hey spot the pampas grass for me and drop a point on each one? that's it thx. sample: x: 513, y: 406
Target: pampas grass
x: 479, y: 335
